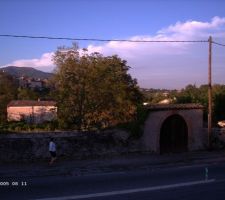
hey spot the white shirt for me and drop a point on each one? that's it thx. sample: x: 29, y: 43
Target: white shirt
x: 52, y: 146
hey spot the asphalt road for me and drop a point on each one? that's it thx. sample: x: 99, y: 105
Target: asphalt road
x: 192, y: 182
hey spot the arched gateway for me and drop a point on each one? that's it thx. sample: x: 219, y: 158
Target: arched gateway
x: 174, y: 128
x: 173, y: 135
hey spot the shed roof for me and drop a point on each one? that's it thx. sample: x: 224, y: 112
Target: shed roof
x: 188, y: 106
x: 23, y: 103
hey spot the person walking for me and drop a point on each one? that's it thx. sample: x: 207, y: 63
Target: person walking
x: 52, y: 150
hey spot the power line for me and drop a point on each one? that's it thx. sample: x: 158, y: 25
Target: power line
x: 101, y: 40
x: 109, y: 40
x: 218, y: 44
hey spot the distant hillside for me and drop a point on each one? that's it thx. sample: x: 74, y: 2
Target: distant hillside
x: 26, y: 71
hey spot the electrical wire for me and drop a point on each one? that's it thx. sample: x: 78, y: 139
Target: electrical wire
x: 218, y: 44
x: 101, y: 40
x: 109, y: 40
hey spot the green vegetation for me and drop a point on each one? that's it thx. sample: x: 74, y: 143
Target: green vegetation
x: 154, y: 96
x: 193, y: 94
x: 96, y: 92
x: 23, y: 126
x: 136, y: 127
x: 93, y: 91
x: 8, y: 92
x: 33, y: 94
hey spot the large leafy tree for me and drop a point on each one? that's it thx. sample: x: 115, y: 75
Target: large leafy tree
x: 8, y: 92
x: 93, y: 90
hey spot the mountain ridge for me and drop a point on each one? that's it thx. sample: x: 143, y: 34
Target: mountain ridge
x: 26, y: 71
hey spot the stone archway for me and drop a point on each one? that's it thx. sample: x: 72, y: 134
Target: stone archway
x: 174, y: 135
x: 190, y: 115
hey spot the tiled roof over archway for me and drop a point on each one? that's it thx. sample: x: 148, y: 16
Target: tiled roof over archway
x: 175, y: 106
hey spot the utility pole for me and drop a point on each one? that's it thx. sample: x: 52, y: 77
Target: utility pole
x: 210, y: 93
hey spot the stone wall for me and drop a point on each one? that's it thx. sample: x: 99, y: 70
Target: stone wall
x: 79, y: 145
x: 218, y: 138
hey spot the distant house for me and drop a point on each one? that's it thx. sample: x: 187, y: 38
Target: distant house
x: 221, y: 123
x: 31, y: 83
x: 23, y: 82
x: 165, y: 101
x: 31, y: 111
x: 35, y: 84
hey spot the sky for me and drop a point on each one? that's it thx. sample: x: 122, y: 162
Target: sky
x: 154, y: 65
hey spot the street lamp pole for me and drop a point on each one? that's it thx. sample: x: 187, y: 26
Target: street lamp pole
x: 210, y: 93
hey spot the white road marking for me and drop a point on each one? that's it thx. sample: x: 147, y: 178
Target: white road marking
x: 119, y: 192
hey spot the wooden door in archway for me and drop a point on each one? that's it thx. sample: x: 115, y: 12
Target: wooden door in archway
x: 174, y: 135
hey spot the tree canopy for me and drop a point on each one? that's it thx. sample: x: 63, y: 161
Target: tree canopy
x: 193, y: 94
x: 93, y: 90
x: 8, y: 92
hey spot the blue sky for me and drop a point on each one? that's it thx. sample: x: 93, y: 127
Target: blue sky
x: 154, y: 65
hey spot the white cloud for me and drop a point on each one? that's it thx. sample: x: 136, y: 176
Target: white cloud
x: 43, y: 63
x: 195, y: 29
x: 169, y: 64
x: 190, y: 30
x: 191, y: 26
x: 148, y: 59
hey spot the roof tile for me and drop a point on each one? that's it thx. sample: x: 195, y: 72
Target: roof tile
x: 20, y: 103
x: 175, y: 106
